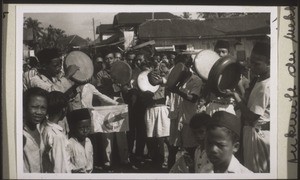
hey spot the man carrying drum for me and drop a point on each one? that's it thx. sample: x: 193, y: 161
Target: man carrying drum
x: 188, y: 86
x: 50, y: 76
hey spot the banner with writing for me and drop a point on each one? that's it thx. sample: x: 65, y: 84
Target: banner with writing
x: 107, y: 119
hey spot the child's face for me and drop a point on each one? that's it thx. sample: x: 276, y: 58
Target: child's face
x: 219, y: 146
x: 36, y: 110
x: 199, y: 134
x: 258, y: 64
x: 83, y: 129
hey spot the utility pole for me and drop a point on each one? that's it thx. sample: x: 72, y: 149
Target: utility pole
x: 94, y: 29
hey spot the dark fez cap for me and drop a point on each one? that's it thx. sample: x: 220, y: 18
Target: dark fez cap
x: 45, y: 55
x: 228, y: 120
x: 262, y: 48
x: 222, y: 44
x: 78, y: 115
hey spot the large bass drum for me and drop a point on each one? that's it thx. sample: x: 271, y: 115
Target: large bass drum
x: 85, y: 64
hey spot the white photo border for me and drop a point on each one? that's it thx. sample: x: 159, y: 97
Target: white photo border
x: 44, y: 8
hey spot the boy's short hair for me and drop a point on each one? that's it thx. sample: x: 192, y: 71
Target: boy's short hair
x: 56, y: 102
x: 35, y: 91
x: 228, y: 121
x: 222, y: 44
x: 46, y: 55
x: 199, y: 120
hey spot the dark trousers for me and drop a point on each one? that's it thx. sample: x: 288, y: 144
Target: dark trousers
x: 97, y: 148
x: 137, y: 128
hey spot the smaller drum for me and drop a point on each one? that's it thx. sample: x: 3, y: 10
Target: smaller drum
x: 225, y: 74
x: 177, y: 75
x: 204, y: 61
x: 85, y: 64
x: 121, y: 72
x: 144, y: 84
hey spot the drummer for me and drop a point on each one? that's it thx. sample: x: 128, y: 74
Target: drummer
x: 110, y: 89
x: 217, y: 102
x: 156, y: 117
x: 222, y: 47
x: 51, y: 78
x: 189, y: 91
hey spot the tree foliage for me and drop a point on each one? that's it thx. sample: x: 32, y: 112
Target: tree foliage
x: 43, y: 37
x: 186, y: 15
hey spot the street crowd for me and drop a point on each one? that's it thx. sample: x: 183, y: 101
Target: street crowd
x: 186, y: 129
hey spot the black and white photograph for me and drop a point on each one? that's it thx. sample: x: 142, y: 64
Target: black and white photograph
x: 116, y: 91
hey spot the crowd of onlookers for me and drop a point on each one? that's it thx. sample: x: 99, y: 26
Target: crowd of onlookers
x: 186, y: 129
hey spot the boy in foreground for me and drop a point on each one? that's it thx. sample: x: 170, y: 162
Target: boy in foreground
x: 222, y: 141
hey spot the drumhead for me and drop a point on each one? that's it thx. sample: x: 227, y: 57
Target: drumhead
x: 121, y: 72
x: 85, y: 64
x: 225, y: 74
x: 204, y: 61
x: 176, y: 75
x: 144, y: 84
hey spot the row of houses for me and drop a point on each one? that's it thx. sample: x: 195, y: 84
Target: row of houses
x: 173, y: 32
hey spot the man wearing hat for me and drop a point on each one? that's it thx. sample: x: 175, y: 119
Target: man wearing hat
x: 222, y: 48
x: 50, y: 76
x: 222, y: 142
x: 256, y: 112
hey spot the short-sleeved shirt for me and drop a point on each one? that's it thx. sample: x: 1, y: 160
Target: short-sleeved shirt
x: 55, y: 157
x: 259, y: 100
x: 81, y: 157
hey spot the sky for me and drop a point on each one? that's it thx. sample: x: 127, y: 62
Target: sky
x: 77, y: 23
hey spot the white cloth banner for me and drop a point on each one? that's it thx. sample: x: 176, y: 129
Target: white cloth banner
x: 109, y: 119
x: 128, y: 37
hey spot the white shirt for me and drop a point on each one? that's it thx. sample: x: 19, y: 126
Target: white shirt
x: 259, y: 100
x: 55, y: 157
x: 84, y: 97
x: 81, y: 157
x: 234, y: 167
x: 32, y: 153
x: 60, y: 83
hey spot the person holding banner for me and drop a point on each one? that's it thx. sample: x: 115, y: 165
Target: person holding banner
x: 112, y: 90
